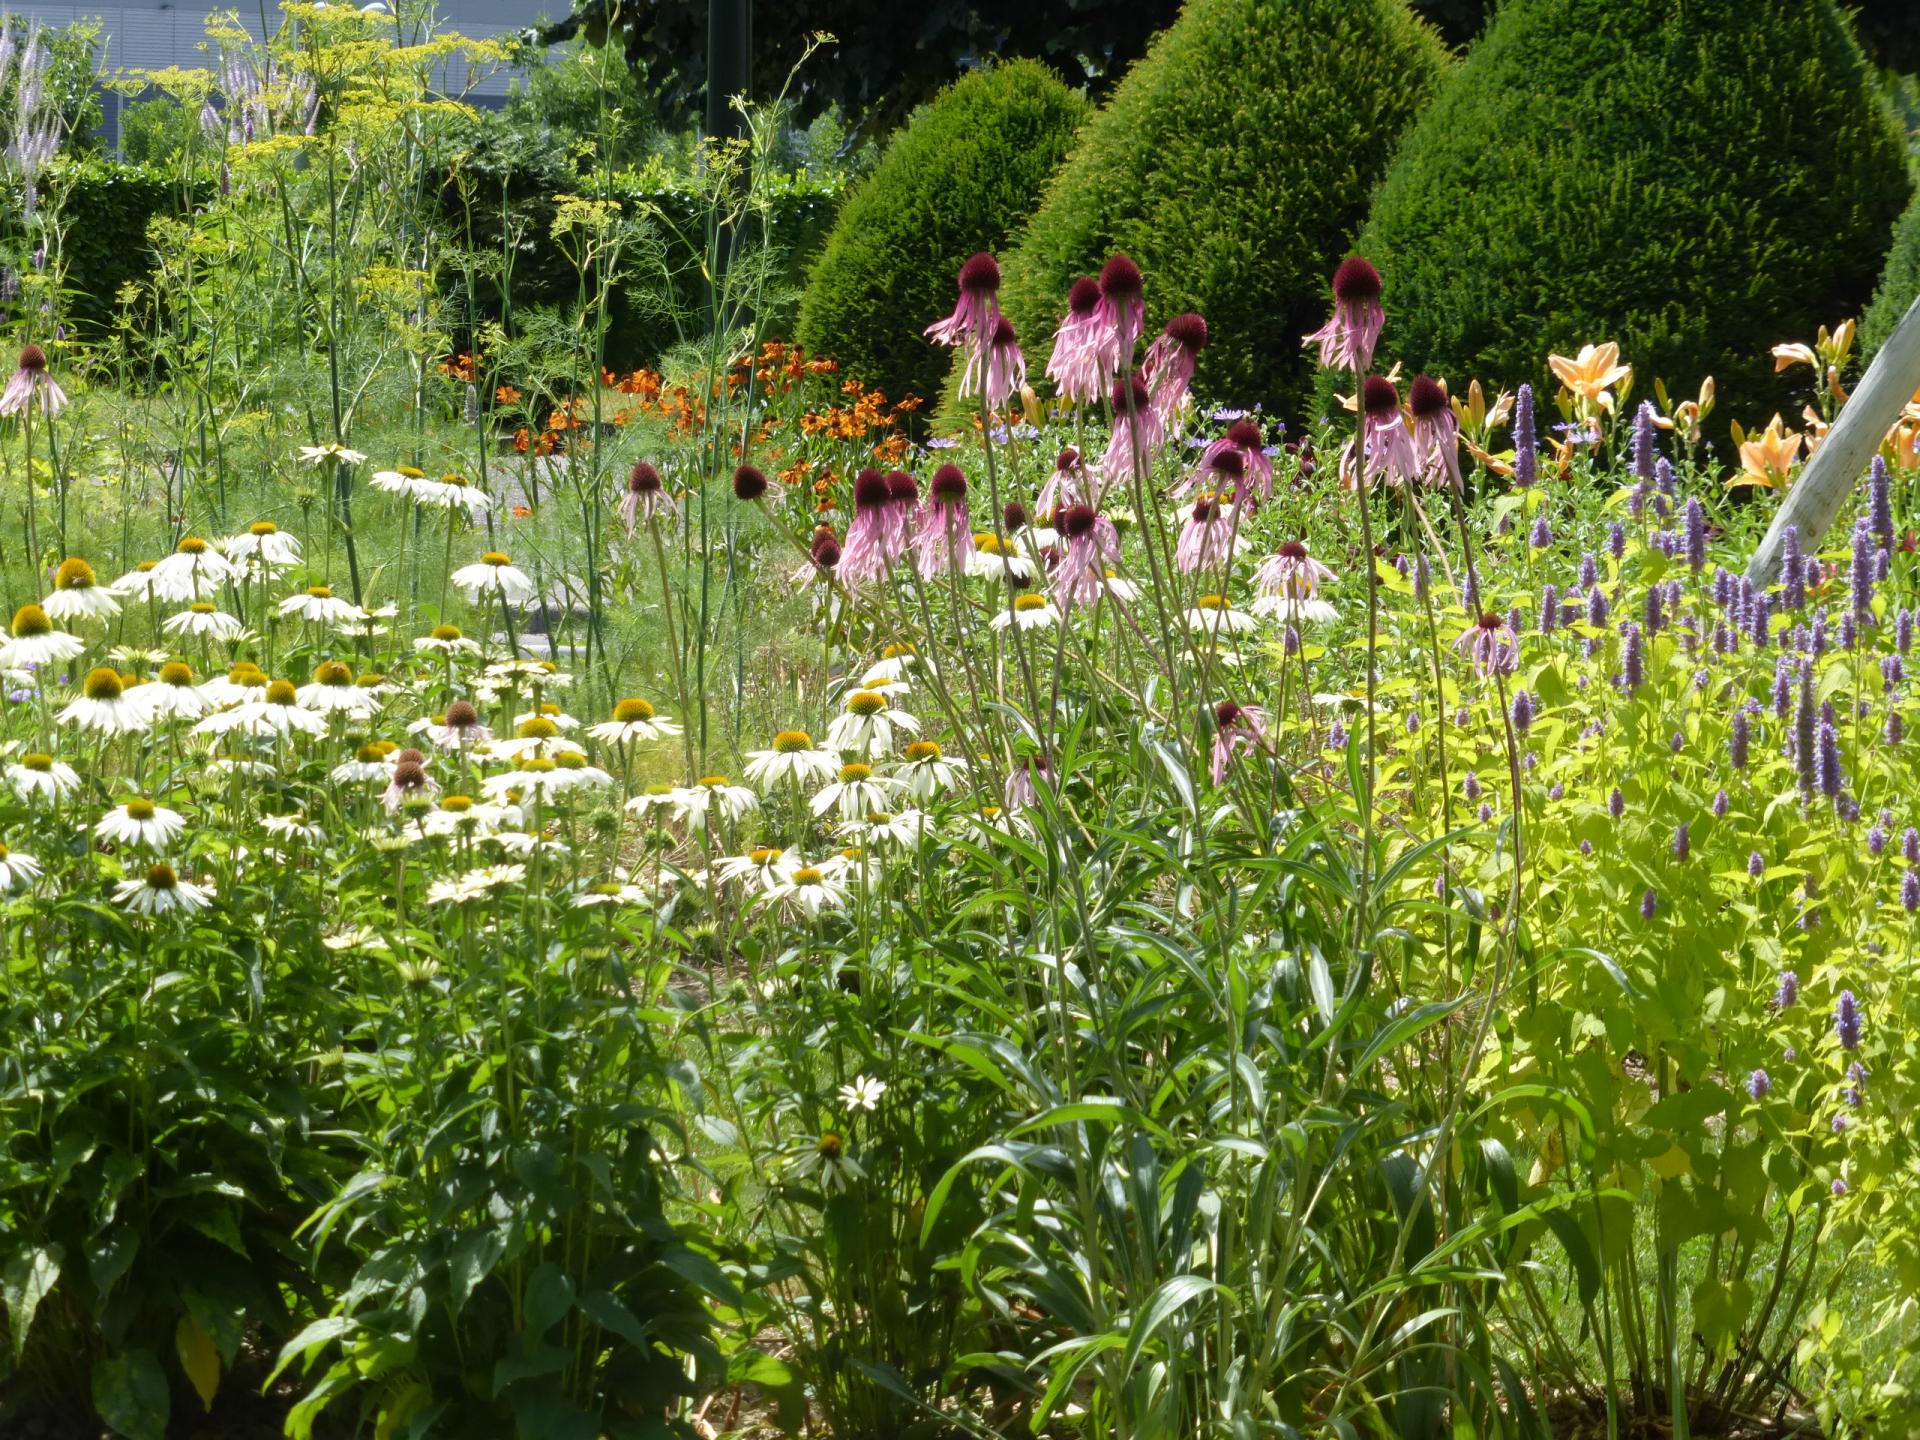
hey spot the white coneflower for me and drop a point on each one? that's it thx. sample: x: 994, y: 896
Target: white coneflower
x: 793, y: 757
x: 247, y: 767
x: 16, y: 870
x: 535, y: 735
x: 658, y: 796
x: 827, y: 1158
x: 138, y: 821
x: 138, y: 583
x: 519, y: 842
x: 868, y: 725
x: 894, y: 663
x: 402, y: 480
x: 1119, y: 587
x: 609, y: 893
x: 765, y: 869
x: 193, y: 572
x: 462, y: 815
x: 293, y: 827
x: 633, y: 720
x: 927, y: 773
x: 333, y: 450
x: 548, y: 711
x: 576, y: 774
x: 453, y: 492
x: 713, y: 794
x: 1215, y: 613
x: 369, y: 763
x: 858, y: 792
x: 137, y: 657
x: 905, y: 828
x: 351, y: 938
x: 238, y: 684
x: 887, y: 683
x: 172, y: 694
x: 996, y: 561
x: 533, y: 674
x: 863, y: 1094
x: 319, y: 605
x: 332, y: 689
x: 34, y: 642
x: 264, y: 544
x: 204, y: 621
x: 446, y: 640
x: 104, y: 705
x: 475, y: 884
x: 809, y: 890
x: 38, y: 776
x: 493, y: 575
x: 78, y: 594
x: 853, y: 867
x: 160, y: 892
x: 277, y: 711
x: 533, y: 777
x: 366, y: 622
x: 1028, y: 612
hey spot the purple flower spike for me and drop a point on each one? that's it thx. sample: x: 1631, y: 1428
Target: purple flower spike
x: 1758, y: 1085
x: 1846, y: 1021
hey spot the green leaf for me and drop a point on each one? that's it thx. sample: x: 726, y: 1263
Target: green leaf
x: 25, y: 1284
x: 472, y: 1261
x: 549, y: 1298
x: 130, y: 1392
x: 198, y: 1358
x: 1161, y: 1306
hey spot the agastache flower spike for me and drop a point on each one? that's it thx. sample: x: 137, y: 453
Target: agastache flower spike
x: 1526, y: 456
x: 1846, y: 1021
x: 1793, y: 570
x: 1696, y: 533
x: 1643, y: 452
x: 1880, y: 503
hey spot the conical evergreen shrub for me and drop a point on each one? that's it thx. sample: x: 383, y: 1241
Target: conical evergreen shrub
x: 1899, y: 283
x: 1697, y: 181
x: 1233, y: 163
x: 964, y: 171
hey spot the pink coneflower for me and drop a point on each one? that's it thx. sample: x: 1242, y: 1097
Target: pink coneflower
x: 1092, y: 543
x: 1070, y: 484
x: 29, y: 380
x: 1346, y: 341
x: 1389, y: 444
x: 1208, y: 538
x: 1436, y: 431
x: 977, y: 310
x: 824, y: 548
x: 1137, y: 432
x: 1255, y: 480
x: 645, y: 498
x: 874, y: 539
x: 1122, y: 311
x: 409, y: 781
x: 1236, y: 729
x: 1082, y: 364
x: 1288, y: 583
x: 942, y: 531
x: 1168, y: 367
x: 1490, y: 645
x: 1019, y: 792
x: 999, y: 369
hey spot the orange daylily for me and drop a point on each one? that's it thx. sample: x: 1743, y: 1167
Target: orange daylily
x: 1768, y: 458
x: 1592, y: 373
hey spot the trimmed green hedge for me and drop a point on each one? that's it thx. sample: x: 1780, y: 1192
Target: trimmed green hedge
x: 1233, y: 163
x: 967, y: 168
x: 1899, y: 283
x: 105, y: 212
x: 1696, y: 181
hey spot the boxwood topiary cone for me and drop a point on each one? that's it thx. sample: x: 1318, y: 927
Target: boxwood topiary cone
x: 966, y: 169
x: 1899, y: 284
x: 1697, y: 181
x: 1233, y: 163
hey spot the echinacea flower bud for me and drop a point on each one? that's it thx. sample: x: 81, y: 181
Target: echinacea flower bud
x: 1083, y: 296
x: 948, y: 485
x: 749, y: 483
x: 1120, y: 279
x: 1014, y: 516
x: 980, y: 275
